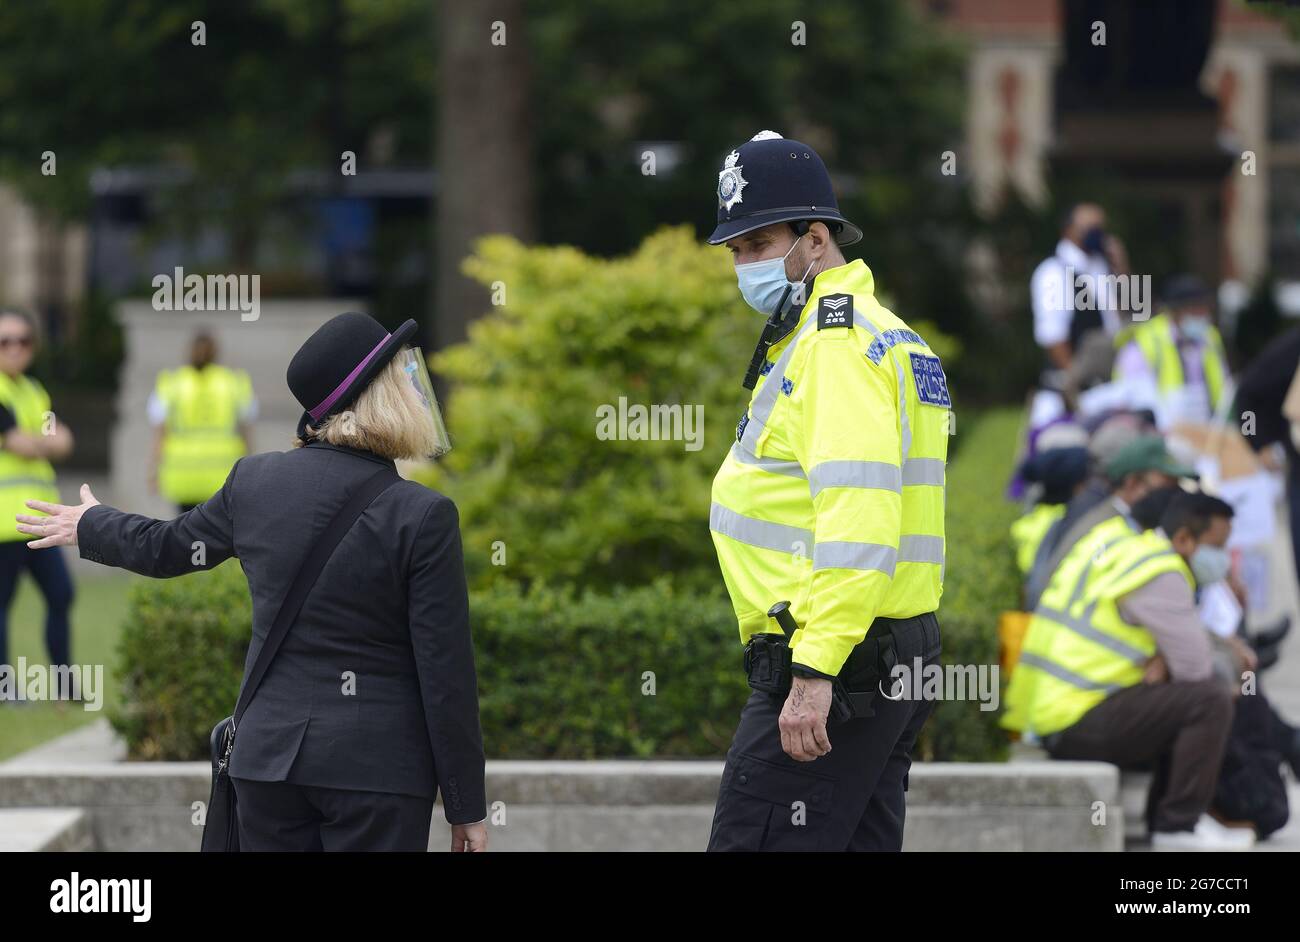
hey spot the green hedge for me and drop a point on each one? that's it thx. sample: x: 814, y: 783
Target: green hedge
x: 561, y: 672
x: 637, y: 672
x: 980, y: 579
x: 182, y: 655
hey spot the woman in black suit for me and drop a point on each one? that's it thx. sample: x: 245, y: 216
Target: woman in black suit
x: 370, y: 705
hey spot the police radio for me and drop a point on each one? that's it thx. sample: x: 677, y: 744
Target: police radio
x: 777, y: 325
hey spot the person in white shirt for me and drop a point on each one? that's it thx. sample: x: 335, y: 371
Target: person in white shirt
x: 1070, y: 300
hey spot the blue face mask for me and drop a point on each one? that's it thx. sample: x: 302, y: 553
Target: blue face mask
x: 762, y: 284
x: 1210, y: 564
x: 1094, y: 241
x: 1194, y: 327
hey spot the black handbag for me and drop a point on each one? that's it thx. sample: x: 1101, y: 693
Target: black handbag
x: 221, y: 824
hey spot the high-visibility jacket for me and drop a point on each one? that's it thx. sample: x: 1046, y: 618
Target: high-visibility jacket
x: 1028, y: 531
x: 23, y: 479
x: 201, y: 439
x: 1078, y: 649
x: 1155, y: 338
x: 832, y: 496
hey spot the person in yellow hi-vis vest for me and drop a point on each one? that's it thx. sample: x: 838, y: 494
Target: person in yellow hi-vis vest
x: 1117, y: 667
x: 201, y: 415
x: 30, y: 438
x: 827, y: 516
x: 1174, y: 364
x: 1054, y: 476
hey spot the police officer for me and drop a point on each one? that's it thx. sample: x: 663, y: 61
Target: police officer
x: 830, y: 501
x: 201, y: 415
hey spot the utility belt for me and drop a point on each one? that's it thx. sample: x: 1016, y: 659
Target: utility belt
x: 768, y: 660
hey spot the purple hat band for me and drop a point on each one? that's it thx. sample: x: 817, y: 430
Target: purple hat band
x: 342, y: 387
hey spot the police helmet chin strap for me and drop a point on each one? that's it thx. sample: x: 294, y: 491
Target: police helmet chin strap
x: 777, y: 325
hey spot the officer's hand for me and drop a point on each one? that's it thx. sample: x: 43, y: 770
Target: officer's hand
x: 60, y: 527
x: 468, y: 838
x: 803, y: 719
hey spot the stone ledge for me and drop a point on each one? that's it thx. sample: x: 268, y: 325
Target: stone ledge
x: 45, y: 829
x: 619, y: 804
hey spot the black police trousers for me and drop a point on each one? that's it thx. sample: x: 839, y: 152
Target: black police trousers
x: 282, y: 816
x: 852, y: 798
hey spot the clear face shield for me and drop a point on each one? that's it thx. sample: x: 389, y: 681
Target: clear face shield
x: 416, y: 369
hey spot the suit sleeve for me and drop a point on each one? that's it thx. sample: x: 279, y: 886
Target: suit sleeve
x: 198, y: 539
x: 850, y: 447
x: 444, y: 660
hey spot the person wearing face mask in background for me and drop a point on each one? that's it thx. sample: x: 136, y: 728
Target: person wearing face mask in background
x: 1072, y: 333
x: 30, y: 438
x: 1174, y: 363
x: 1250, y: 786
x: 827, y: 517
x: 1117, y: 667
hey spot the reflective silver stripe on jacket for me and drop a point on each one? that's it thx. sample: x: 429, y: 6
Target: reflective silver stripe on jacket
x: 920, y: 549
x: 16, y: 482
x: 921, y: 471
x: 1083, y: 627
x: 761, y: 533
x: 774, y: 465
x: 880, y: 475
x: 1092, y: 558
x: 1069, y: 676
x: 843, y: 554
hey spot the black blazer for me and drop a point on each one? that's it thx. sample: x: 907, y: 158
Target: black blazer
x: 390, y: 607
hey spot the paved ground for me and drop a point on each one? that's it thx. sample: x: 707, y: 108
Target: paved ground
x: 1281, y: 683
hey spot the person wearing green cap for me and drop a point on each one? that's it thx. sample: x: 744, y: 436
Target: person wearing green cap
x: 1138, y: 468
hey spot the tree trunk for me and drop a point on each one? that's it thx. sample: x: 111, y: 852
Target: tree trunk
x: 484, y: 149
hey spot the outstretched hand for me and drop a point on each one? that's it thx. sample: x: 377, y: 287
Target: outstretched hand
x: 59, y: 527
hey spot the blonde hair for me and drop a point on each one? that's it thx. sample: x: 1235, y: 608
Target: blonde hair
x: 388, y: 418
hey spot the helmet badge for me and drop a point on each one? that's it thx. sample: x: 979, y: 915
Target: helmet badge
x: 730, y: 182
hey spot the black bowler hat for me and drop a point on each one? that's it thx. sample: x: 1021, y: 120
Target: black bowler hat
x: 337, y: 362
x: 771, y: 179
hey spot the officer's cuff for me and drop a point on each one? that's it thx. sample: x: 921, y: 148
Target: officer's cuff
x: 803, y: 670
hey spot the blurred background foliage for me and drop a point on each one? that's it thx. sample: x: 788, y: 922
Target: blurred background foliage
x: 226, y: 128
x: 609, y: 294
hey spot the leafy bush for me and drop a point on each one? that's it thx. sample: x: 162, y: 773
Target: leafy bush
x: 980, y: 580
x: 663, y: 326
x: 182, y: 652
